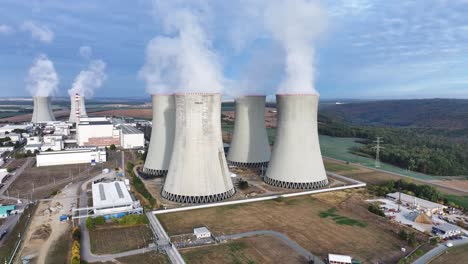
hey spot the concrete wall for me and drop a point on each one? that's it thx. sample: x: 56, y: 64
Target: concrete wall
x: 130, y: 141
x: 162, y: 135
x: 42, y: 112
x: 198, y: 171
x: 249, y: 145
x: 296, y: 160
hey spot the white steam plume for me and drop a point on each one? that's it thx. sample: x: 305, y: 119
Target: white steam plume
x: 296, y: 25
x: 183, y: 59
x: 42, y: 79
x: 90, y: 79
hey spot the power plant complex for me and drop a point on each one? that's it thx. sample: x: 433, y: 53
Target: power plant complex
x: 186, y: 145
x: 42, y: 110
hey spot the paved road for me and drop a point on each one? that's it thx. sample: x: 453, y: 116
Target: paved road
x: 163, y: 240
x: 439, y: 250
x: 10, y: 222
x: 283, y: 237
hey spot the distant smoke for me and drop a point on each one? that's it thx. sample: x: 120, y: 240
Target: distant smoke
x: 38, y: 31
x: 295, y: 25
x: 86, y: 52
x: 183, y: 59
x: 5, y: 29
x: 42, y: 79
x: 90, y: 79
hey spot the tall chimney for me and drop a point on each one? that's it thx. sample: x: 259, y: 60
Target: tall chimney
x: 296, y: 161
x: 249, y: 145
x: 162, y: 136
x: 198, y: 171
x: 77, y: 108
x: 42, y: 112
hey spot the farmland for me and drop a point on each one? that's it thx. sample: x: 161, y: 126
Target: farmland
x: 109, y: 239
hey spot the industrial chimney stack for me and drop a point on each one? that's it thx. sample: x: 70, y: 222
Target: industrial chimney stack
x: 296, y: 161
x: 162, y: 136
x: 198, y: 171
x: 77, y: 108
x: 42, y: 112
x: 249, y: 144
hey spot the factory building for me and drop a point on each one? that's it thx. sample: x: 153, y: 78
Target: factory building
x: 296, y: 161
x: 42, y: 112
x: 112, y: 199
x: 162, y: 136
x: 10, y: 128
x: 446, y: 230
x: 198, y: 171
x: 249, y: 146
x: 131, y: 137
x: 417, y: 203
x: 71, y: 156
x: 99, y: 132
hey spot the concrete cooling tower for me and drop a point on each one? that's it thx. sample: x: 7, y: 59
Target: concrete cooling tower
x: 198, y: 171
x: 77, y: 108
x: 249, y: 145
x: 296, y: 161
x: 162, y: 136
x: 42, y: 112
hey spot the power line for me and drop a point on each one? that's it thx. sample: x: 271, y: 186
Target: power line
x: 377, y: 148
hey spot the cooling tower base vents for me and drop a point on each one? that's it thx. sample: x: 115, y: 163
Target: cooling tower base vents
x: 198, y: 199
x: 296, y: 185
x: 153, y: 173
x: 248, y: 164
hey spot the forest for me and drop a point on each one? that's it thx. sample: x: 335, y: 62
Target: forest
x: 429, y: 151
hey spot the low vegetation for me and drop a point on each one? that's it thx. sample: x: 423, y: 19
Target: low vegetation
x: 341, y: 220
x: 375, y: 209
x: 75, y: 255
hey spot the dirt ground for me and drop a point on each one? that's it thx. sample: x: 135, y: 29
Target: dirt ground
x: 109, y: 239
x: 455, y: 255
x: 258, y: 249
x: 299, y: 218
x: 145, y: 113
x: 45, y: 228
x: 461, y: 184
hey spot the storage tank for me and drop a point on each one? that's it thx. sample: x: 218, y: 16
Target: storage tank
x: 249, y: 145
x: 198, y: 172
x: 42, y: 111
x: 162, y: 136
x: 296, y: 161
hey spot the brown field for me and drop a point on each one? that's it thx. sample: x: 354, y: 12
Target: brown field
x: 258, y: 249
x: 147, y: 258
x: 145, y: 113
x: 299, y: 219
x: 110, y: 239
x: 27, y: 117
x: 460, y: 184
x: 270, y: 116
x: 454, y: 255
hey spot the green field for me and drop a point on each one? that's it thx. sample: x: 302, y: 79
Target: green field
x: 339, y: 148
x: 460, y: 200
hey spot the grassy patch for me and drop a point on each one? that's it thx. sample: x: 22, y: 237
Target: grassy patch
x: 459, y: 200
x: 112, y: 239
x: 341, y: 220
x: 335, y: 167
x: 146, y: 258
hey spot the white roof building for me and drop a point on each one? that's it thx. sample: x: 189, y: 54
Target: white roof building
x: 71, y: 156
x: 417, y: 202
x: 201, y: 232
x: 10, y: 128
x: 113, y: 198
x: 131, y: 137
x: 339, y: 259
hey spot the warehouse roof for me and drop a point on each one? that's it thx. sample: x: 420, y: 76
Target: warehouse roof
x: 110, y: 194
x: 130, y: 130
x: 446, y: 227
x: 405, y: 198
x: 335, y: 258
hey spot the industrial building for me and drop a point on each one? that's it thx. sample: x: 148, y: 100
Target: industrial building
x: 5, y: 210
x: 162, y: 136
x: 114, y: 200
x: 11, y: 128
x: 42, y: 112
x: 296, y: 161
x: 417, y: 203
x: 249, y: 146
x: 201, y: 232
x: 198, y: 171
x: 446, y: 230
x: 339, y: 259
x: 77, y: 108
x: 97, y: 131
x: 71, y: 156
x: 131, y: 137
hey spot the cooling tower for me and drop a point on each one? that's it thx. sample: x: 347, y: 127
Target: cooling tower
x: 162, y: 136
x: 75, y: 111
x: 249, y: 145
x: 42, y: 112
x: 198, y: 171
x: 296, y: 161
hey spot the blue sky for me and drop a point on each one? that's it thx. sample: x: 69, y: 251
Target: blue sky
x: 370, y: 49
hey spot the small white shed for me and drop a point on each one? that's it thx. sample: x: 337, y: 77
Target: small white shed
x: 201, y: 232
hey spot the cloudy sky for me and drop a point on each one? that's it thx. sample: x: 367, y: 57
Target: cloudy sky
x: 368, y: 49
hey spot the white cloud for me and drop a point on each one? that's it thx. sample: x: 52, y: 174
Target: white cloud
x: 86, y: 52
x: 5, y: 29
x: 38, y: 31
